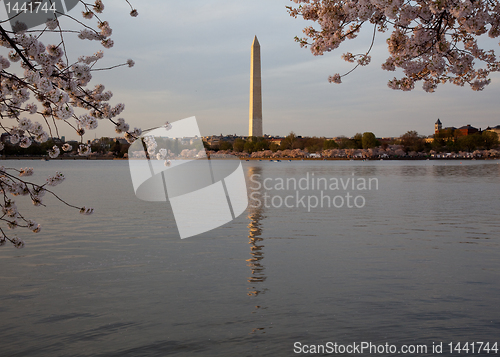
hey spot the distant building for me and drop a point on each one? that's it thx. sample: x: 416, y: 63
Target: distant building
x: 495, y: 129
x: 451, y: 130
x: 468, y: 130
x: 438, y: 126
x: 215, y: 140
x: 276, y: 140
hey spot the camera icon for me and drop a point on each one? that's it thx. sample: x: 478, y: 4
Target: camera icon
x: 170, y: 163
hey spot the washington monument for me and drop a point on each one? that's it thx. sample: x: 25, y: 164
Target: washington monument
x: 255, y: 116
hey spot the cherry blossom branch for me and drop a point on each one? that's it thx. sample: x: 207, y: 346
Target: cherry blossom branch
x: 424, y: 40
x: 59, y: 86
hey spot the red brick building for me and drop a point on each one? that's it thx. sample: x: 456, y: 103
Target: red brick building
x: 468, y: 130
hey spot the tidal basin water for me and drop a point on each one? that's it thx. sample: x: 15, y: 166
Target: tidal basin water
x: 418, y: 263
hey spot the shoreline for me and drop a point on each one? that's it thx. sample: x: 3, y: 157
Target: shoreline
x: 375, y: 159
x: 44, y: 158
x: 97, y: 158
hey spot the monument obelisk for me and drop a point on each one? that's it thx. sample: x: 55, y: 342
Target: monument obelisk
x: 255, y: 117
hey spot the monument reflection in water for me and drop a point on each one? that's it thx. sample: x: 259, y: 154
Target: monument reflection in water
x: 255, y: 262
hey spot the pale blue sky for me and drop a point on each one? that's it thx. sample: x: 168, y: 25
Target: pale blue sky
x: 193, y: 59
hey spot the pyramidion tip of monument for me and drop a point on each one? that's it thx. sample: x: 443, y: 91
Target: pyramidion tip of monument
x: 255, y: 41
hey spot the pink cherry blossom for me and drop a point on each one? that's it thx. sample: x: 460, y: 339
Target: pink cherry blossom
x: 430, y: 41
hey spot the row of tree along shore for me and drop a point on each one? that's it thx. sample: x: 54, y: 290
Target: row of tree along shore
x: 392, y: 152
x: 411, y: 145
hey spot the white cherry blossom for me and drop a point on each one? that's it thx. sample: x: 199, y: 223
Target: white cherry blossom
x: 43, y: 82
x: 431, y: 41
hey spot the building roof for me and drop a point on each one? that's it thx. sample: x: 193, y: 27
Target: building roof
x: 468, y: 127
x: 438, y: 121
